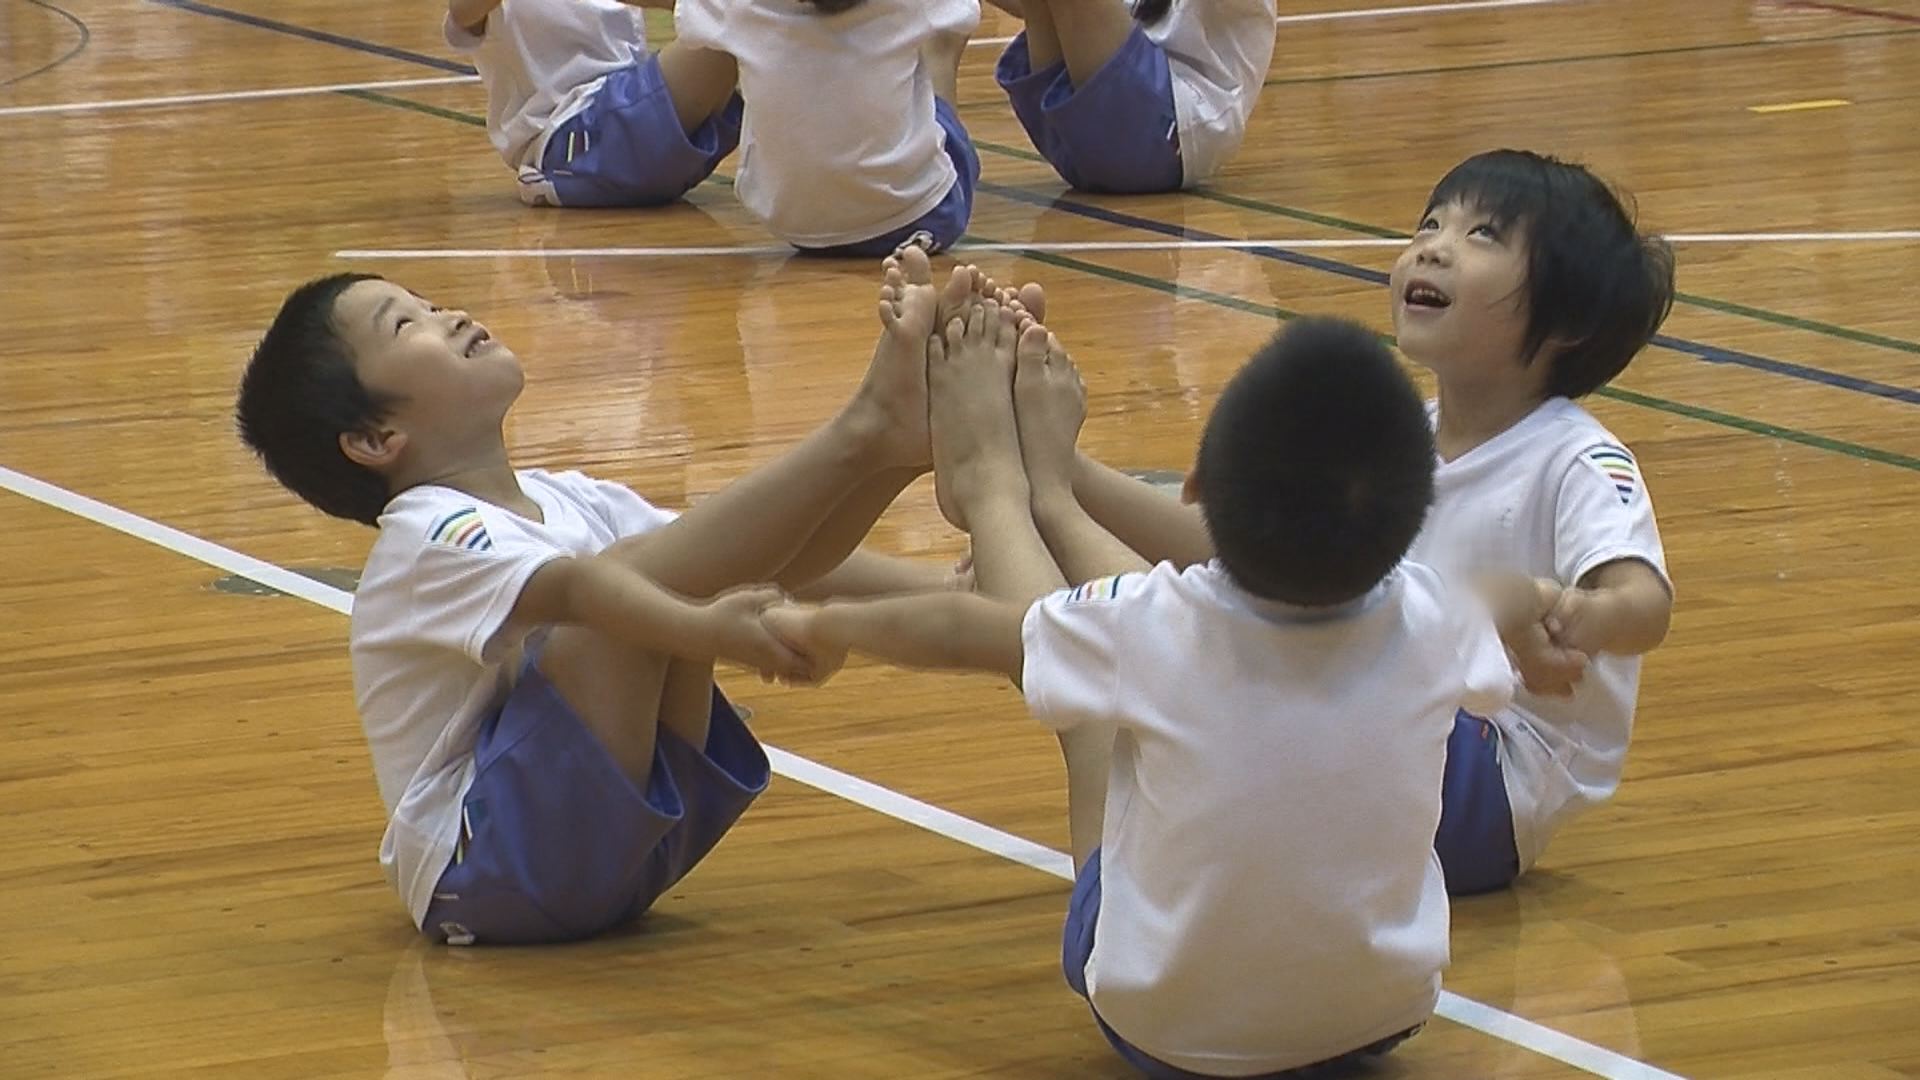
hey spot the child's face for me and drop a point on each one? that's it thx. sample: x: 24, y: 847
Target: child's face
x: 452, y: 380
x: 1460, y: 295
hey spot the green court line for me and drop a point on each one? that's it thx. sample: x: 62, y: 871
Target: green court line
x: 1693, y: 412
x: 1632, y: 54
x: 1725, y: 307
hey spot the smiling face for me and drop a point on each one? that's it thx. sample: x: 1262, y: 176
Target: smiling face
x: 451, y: 381
x: 1459, y: 295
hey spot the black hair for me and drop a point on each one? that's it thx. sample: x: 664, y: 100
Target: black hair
x: 1597, y: 288
x: 1316, y: 468
x: 300, y: 393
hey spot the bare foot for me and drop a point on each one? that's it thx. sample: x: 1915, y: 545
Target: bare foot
x: 976, y: 444
x: 894, y: 393
x: 1049, y: 404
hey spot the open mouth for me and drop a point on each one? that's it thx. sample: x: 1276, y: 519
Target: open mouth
x: 480, y: 337
x: 1422, y: 295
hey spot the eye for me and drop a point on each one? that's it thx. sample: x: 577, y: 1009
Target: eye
x: 1429, y: 223
x: 1486, y: 229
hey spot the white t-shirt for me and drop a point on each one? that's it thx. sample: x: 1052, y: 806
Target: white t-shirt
x: 1553, y: 496
x: 542, y: 61
x: 429, y: 663
x: 1218, y: 52
x: 839, y: 142
x: 1270, y: 894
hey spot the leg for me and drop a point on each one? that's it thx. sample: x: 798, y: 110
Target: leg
x: 700, y: 81
x: 1042, y: 34
x: 651, y: 132
x: 1050, y: 403
x: 977, y: 447
x: 1087, y: 33
x: 619, y: 695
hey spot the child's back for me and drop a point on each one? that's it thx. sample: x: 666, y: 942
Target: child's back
x: 541, y: 60
x: 1275, y: 788
x: 841, y: 140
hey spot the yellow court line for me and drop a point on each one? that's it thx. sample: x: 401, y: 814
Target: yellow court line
x: 1799, y: 106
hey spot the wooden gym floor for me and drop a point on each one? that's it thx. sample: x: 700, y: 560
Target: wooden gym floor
x: 188, y: 821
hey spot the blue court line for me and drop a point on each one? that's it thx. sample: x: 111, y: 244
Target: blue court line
x: 1712, y: 354
x: 264, y: 23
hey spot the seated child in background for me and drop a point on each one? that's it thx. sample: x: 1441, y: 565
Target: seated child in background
x: 851, y: 145
x: 1525, y: 287
x: 1254, y: 744
x: 532, y: 651
x: 580, y: 110
x: 1155, y: 98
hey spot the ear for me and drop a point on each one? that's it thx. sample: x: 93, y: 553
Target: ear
x: 1190, y: 488
x: 377, y: 448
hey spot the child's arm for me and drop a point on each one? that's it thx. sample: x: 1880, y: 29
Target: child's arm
x: 869, y: 573
x: 951, y: 631
x: 1160, y: 528
x: 1083, y: 548
x: 603, y: 594
x: 471, y: 15
x: 1622, y: 607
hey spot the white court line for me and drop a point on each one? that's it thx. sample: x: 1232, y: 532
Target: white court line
x: 1464, y: 1011
x: 232, y: 95
x: 1364, y: 13
x: 1296, y: 243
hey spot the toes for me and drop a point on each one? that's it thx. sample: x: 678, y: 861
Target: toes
x: 915, y: 265
x: 1034, y: 299
x: 1032, y: 348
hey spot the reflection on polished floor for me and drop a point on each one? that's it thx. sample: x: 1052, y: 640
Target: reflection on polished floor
x: 190, y: 823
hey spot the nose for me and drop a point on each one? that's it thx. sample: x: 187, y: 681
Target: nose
x: 1434, y: 248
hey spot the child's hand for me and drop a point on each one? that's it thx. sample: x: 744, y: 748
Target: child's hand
x: 801, y: 628
x: 1547, y: 663
x: 1574, y: 622
x: 739, y: 635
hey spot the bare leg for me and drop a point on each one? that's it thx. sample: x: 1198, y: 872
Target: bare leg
x: 700, y: 81
x: 686, y: 700
x: 942, y: 55
x: 1089, y: 33
x: 615, y: 691
x: 1043, y: 39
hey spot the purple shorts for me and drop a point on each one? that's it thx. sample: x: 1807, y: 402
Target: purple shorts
x: 1118, y: 132
x: 558, y: 844
x: 1475, y: 840
x: 627, y: 148
x: 1076, y: 948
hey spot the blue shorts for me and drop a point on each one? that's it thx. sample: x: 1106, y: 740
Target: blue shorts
x: 945, y: 223
x: 1083, y: 913
x: 627, y: 148
x: 558, y: 844
x: 1475, y: 841
x: 1118, y: 132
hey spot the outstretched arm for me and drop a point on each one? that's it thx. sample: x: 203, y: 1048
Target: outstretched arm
x: 1158, y: 526
x: 947, y: 631
x: 471, y: 15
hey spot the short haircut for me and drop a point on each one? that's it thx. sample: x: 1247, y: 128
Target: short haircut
x: 1316, y: 467
x: 1597, y: 288
x: 300, y: 393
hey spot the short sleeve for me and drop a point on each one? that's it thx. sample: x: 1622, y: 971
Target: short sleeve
x: 459, y: 39
x: 1604, y: 514
x: 621, y: 507
x: 471, y: 566
x: 701, y: 24
x: 1072, y: 664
